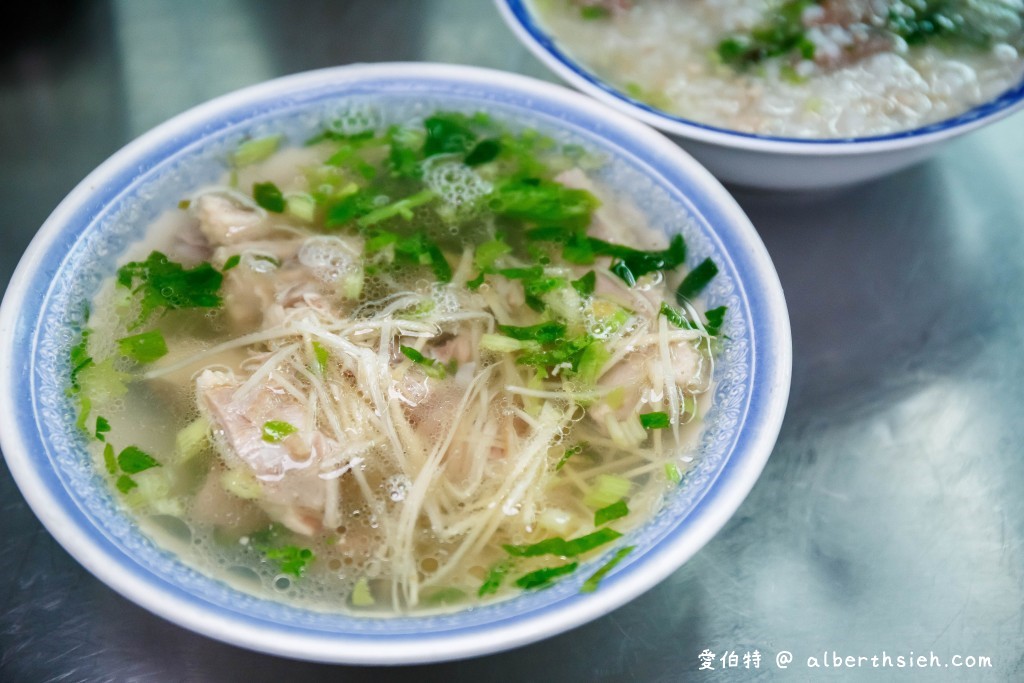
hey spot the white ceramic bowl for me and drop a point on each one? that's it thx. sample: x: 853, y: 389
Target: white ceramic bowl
x: 760, y: 161
x: 79, y: 246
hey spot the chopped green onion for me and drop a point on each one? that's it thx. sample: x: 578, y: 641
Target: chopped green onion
x: 655, y: 420
x: 543, y: 577
x: 590, y: 585
x: 402, y: 207
x: 232, y: 262
x: 594, y: 12
x: 672, y: 473
x: 268, y: 196
x: 276, y: 430
x: 258, y: 149
x: 592, y: 360
x: 586, y: 284
x: 696, y: 280
x: 544, y: 333
x: 192, y: 438
x: 321, y: 355
x: 569, y: 452
x: 361, y: 594
x: 431, y: 366
x: 300, y: 205
x: 495, y: 575
x: 109, y: 459
x: 607, y: 489
x: 562, y: 547
x: 715, y: 318
x: 503, y: 344
x: 611, y: 512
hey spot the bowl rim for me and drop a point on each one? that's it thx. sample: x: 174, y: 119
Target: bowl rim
x: 520, y: 19
x: 70, y: 527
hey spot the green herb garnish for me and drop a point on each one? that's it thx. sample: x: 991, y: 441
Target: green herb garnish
x: 495, y: 576
x: 611, y: 512
x: 102, y: 428
x: 291, y: 559
x: 275, y: 431
x: 655, y: 420
x: 269, y: 197
x: 696, y: 280
x: 144, y: 348
x: 166, y: 285
x: 133, y: 460
x: 431, y: 366
x: 562, y: 547
x: 543, y: 577
x: 590, y: 585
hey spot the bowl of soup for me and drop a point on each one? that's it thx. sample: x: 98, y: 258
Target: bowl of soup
x: 799, y: 94
x: 391, y: 363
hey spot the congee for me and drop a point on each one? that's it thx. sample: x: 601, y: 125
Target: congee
x: 400, y: 367
x: 798, y: 68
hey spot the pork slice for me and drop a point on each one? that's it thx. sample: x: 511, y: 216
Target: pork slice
x: 224, y: 219
x: 640, y: 376
x: 288, y: 471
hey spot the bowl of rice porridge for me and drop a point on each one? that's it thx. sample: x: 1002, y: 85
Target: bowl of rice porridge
x: 798, y: 94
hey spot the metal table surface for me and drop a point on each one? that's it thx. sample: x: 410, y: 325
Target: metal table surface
x: 889, y: 521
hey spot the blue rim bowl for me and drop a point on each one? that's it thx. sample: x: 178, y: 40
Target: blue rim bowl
x: 79, y: 245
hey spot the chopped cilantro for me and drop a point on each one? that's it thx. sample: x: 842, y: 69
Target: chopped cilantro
x: 133, y: 460
x: 483, y: 152
x: 537, y: 200
x: 290, y: 559
x: 269, y: 197
x: 611, y: 512
x: 590, y: 585
x: 165, y: 284
x: 349, y: 208
x: 232, y: 261
x: 125, y: 483
x: 780, y: 33
x: 145, y: 347
x: 447, y: 134
x: 655, y: 420
x: 276, y: 430
x: 102, y: 428
x: 543, y: 577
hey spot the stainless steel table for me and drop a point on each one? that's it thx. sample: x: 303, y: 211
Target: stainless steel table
x: 889, y: 522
